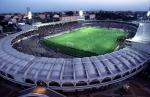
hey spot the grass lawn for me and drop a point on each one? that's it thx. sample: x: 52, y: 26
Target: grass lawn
x: 90, y: 39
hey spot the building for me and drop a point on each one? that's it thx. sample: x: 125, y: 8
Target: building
x: 69, y: 18
x: 74, y: 17
x: 92, y: 16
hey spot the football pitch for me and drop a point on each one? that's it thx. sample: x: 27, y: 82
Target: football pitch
x: 88, y: 39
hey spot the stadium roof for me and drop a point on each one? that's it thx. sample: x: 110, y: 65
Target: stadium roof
x: 143, y: 33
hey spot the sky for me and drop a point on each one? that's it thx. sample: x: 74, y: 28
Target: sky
x: 12, y: 6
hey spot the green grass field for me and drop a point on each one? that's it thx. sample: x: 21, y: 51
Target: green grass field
x: 88, y: 39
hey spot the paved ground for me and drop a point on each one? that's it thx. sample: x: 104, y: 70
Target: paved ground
x: 8, y: 89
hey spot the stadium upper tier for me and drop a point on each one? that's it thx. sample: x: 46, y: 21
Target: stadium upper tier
x: 69, y: 74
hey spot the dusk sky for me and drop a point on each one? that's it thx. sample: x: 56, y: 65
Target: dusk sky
x: 64, y: 5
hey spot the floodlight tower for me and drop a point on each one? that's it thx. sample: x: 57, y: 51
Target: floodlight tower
x: 29, y: 16
x: 81, y: 15
x: 148, y: 14
x: 29, y: 13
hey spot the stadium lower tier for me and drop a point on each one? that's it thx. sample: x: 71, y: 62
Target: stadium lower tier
x: 68, y: 74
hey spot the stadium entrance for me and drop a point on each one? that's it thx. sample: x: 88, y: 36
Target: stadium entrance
x: 41, y: 84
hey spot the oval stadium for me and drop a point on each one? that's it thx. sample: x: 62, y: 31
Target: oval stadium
x: 42, y: 55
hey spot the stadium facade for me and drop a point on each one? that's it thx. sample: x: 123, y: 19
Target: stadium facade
x: 74, y: 73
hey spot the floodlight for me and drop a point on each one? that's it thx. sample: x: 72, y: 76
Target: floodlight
x: 29, y: 15
x: 148, y: 14
x: 81, y: 13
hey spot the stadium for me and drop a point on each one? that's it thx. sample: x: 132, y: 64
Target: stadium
x: 49, y: 61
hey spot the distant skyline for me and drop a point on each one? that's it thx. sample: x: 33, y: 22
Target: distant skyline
x: 11, y: 6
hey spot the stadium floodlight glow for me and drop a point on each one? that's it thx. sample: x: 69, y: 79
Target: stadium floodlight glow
x: 81, y: 13
x: 29, y: 15
x: 148, y: 14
